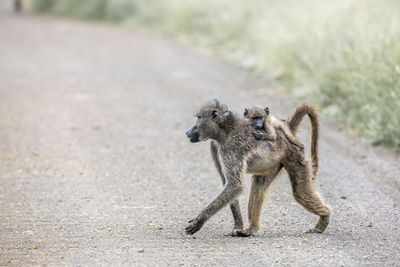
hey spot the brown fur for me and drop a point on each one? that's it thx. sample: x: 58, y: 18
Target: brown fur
x: 270, y: 123
x: 236, y: 149
x: 294, y: 123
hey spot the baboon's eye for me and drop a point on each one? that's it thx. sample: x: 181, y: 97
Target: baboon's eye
x: 214, y: 115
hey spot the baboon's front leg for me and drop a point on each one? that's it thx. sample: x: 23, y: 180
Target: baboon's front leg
x: 233, y: 187
x: 258, y: 193
x: 235, y: 207
x: 230, y: 192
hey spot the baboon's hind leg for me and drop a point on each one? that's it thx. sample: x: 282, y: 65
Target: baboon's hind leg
x: 258, y: 192
x: 305, y: 193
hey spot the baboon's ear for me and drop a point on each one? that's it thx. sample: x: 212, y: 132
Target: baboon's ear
x: 267, y: 110
x: 245, y: 112
x: 224, y: 107
x: 228, y: 115
x: 214, y: 115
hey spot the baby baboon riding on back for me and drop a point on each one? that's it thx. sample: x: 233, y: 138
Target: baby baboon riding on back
x: 235, y: 152
x: 260, y: 119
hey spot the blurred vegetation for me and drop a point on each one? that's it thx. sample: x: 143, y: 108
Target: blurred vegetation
x: 342, y: 55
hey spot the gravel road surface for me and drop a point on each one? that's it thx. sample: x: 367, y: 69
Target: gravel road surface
x: 95, y: 168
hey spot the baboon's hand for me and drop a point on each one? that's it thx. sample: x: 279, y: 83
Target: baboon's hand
x: 243, y: 233
x: 194, y: 226
x: 258, y: 135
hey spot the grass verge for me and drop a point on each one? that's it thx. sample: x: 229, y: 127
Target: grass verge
x: 343, y: 56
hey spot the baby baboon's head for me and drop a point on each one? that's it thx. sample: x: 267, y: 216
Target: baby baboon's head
x: 211, y: 119
x: 256, y: 116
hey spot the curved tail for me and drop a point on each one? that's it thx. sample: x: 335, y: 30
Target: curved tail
x: 294, y: 123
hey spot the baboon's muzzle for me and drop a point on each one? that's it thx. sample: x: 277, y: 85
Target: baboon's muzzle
x: 193, y: 134
x: 258, y: 123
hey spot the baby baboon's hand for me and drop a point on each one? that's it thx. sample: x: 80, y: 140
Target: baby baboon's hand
x: 258, y: 135
x: 194, y: 226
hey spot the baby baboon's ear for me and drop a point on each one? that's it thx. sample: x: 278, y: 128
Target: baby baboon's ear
x: 267, y: 110
x: 245, y: 112
x: 228, y: 115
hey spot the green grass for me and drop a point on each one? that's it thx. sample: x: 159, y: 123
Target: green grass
x: 343, y: 55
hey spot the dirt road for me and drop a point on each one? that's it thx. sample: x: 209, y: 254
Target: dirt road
x: 95, y: 168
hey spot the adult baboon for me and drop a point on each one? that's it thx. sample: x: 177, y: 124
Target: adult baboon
x: 239, y: 152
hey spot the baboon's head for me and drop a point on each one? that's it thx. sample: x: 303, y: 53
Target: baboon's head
x: 212, y: 119
x: 256, y: 115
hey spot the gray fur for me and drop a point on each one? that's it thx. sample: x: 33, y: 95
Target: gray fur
x: 235, y: 148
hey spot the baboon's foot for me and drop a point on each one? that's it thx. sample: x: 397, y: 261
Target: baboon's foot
x: 323, y: 222
x: 244, y: 232
x: 314, y: 230
x: 233, y: 232
x: 321, y: 225
x: 194, y: 226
